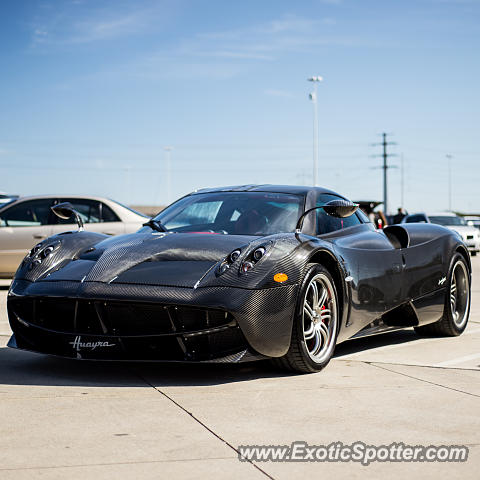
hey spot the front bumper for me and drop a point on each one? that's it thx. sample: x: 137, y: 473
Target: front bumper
x: 473, y: 246
x: 94, y: 320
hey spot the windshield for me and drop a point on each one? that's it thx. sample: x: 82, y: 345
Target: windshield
x: 447, y: 220
x: 6, y: 201
x: 234, y: 213
x: 128, y: 208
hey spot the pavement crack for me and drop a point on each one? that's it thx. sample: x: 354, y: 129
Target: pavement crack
x: 205, y: 426
x: 421, y: 379
x: 108, y: 464
x: 421, y: 365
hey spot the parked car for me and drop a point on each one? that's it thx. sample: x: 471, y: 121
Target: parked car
x: 28, y: 220
x: 239, y: 274
x: 6, y: 198
x: 470, y: 234
x: 474, y: 221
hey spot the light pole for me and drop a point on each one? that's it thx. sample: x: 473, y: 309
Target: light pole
x: 168, y: 153
x: 449, y: 160
x: 402, y: 181
x: 313, y: 98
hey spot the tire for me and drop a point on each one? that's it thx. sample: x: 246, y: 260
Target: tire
x: 315, y: 325
x: 457, y: 302
x: 473, y: 254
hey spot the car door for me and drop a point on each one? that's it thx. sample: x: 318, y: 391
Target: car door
x: 374, y: 265
x: 22, y: 225
x: 96, y: 215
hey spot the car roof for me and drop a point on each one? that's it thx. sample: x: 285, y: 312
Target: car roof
x: 39, y: 197
x: 434, y: 214
x: 16, y: 201
x: 441, y: 214
x: 292, y: 189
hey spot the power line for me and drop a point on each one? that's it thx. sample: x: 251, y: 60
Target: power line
x: 385, y: 167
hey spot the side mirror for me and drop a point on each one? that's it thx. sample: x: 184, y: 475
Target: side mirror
x: 340, y: 208
x: 334, y: 208
x: 65, y: 211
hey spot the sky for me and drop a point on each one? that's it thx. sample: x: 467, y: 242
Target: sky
x: 92, y: 91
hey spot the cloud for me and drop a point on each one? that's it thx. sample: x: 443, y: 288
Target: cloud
x: 216, y: 55
x: 79, y: 23
x: 110, y: 27
x: 265, y: 41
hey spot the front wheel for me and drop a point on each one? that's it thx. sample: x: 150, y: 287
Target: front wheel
x: 315, y: 326
x: 457, y: 302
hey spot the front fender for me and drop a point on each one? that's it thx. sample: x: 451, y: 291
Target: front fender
x: 66, y: 246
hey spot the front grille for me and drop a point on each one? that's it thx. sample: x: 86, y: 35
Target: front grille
x: 142, y: 331
x: 88, y: 317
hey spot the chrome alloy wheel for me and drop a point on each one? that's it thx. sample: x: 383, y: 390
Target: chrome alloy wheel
x: 459, y: 294
x: 319, y: 318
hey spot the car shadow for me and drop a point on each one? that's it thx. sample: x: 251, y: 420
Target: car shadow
x: 364, y: 344
x: 24, y: 368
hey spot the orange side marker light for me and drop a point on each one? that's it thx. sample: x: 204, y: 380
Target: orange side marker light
x: 280, y: 277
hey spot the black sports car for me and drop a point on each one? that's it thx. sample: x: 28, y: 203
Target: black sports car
x: 237, y: 274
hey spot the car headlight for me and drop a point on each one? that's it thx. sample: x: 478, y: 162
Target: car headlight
x: 47, y: 251
x: 246, y: 266
x: 253, y: 258
x: 258, y: 253
x: 230, y: 259
x: 39, y: 253
x: 34, y: 250
x: 234, y: 255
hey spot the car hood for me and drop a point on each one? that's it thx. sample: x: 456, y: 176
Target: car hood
x: 171, y: 259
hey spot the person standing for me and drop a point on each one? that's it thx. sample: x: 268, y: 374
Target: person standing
x: 399, y: 216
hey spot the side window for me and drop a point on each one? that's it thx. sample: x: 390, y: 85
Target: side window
x: 27, y: 214
x: 326, y: 223
x: 89, y: 210
x: 415, y: 219
x: 363, y: 216
x: 108, y: 215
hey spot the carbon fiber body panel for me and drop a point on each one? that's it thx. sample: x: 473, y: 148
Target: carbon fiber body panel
x: 264, y: 317
x: 179, y: 296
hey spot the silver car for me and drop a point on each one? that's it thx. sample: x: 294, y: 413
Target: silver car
x: 26, y: 221
x: 470, y: 235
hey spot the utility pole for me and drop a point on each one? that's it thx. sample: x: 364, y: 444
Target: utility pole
x: 385, y: 167
x: 313, y: 98
x: 449, y: 160
x: 168, y: 152
x: 402, y: 181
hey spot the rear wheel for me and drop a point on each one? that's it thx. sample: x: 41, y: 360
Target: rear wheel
x: 315, y: 325
x: 457, y: 302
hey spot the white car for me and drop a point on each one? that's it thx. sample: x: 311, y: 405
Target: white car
x: 6, y: 198
x: 28, y: 220
x: 474, y: 221
x: 470, y: 234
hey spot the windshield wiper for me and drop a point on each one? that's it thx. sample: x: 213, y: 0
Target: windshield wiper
x: 155, y: 225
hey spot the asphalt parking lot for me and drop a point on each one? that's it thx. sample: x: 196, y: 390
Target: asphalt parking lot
x: 68, y: 419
